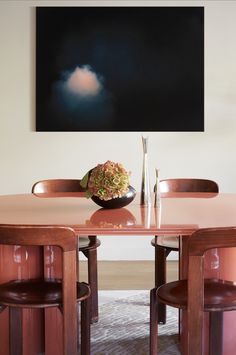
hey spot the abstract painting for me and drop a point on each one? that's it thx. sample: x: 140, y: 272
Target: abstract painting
x: 120, y: 69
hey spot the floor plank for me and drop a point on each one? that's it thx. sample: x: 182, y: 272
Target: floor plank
x: 127, y: 275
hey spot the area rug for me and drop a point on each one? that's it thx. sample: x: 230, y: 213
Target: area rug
x: 123, y: 328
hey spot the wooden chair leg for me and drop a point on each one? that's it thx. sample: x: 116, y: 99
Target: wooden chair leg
x: 153, y: 322
x: 78, y: 328
x: 93, y: 282
x: 85, y: 327
x: 215, y: 333
x: 160, y: 278
x: 15, y: 330
x: 69, y: 300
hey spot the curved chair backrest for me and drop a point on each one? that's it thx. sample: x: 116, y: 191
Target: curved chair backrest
x: 201, y: 241
x: 64, y: 237
x: 57, y: 185
x: 211, y: 238
x: 188, y: 185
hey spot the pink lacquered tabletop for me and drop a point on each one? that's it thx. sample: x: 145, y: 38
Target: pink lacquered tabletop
x: 179, y: 213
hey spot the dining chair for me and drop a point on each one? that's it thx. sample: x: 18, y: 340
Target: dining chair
x: 164, y: 245
x: 38, y: 293
x: 87, y: 245
x: 197, y: 295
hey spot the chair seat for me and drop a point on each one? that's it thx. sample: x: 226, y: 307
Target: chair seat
x: 218, y: 294
x: 85, y: 242
x: 37, y: 293
x: 171, y: 242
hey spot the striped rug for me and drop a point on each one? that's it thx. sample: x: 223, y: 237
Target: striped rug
x: 123, y: 327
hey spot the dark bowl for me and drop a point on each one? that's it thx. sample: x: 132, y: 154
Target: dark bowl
x: 116, y: 202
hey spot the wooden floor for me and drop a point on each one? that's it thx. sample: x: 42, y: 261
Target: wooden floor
x: 127, y: 275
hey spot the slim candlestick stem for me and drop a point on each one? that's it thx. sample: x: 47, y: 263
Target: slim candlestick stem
x: 145, y: 186
x: 157, y: 190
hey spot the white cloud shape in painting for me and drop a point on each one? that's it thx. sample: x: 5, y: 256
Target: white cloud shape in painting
x: 80, y: 99
x: 84, y: 82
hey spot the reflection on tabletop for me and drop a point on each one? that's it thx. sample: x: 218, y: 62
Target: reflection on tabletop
x: 116, y: 218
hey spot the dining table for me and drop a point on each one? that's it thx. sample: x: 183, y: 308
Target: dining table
x: 176, y: 214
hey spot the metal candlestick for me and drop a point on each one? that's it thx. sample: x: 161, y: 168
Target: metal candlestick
x: 145, y: 186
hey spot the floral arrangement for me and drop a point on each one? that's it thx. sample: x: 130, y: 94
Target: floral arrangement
x: 106, y: 181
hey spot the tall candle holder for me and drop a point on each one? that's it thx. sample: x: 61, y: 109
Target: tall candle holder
x: 157, y: 201
x: 145, y: 186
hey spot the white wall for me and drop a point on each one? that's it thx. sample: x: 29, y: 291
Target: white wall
x: 27, y: 156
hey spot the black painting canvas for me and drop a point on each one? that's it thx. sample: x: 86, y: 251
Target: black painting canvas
x: 120, y: 69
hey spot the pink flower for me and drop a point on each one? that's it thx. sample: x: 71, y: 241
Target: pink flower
x: 107, y: 181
